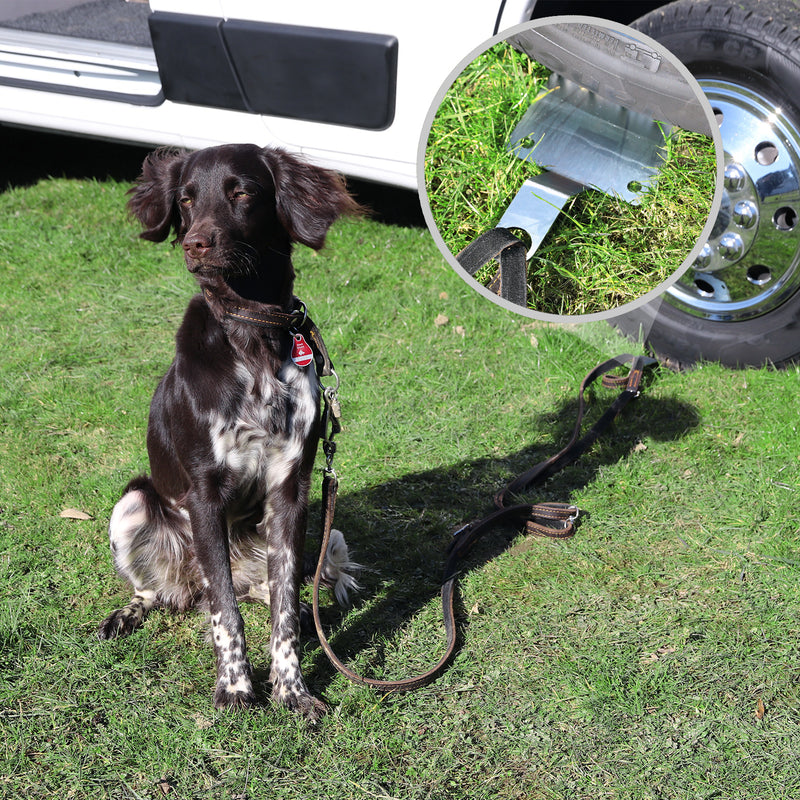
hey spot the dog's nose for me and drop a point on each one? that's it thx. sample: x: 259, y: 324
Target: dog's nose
x: 196, y: 245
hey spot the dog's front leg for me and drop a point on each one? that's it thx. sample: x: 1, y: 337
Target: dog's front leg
x: 209, y: 527
x: 285, y: 533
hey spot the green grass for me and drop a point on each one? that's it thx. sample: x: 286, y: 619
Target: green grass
x: 627, y: 662
x: 601, y: 252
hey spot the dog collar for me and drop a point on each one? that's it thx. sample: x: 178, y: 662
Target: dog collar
x: 279, y: 320
x: 294, y: 322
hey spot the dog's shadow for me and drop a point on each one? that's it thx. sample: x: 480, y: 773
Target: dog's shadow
x: 400, y: 529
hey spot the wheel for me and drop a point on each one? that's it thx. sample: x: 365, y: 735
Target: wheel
x: 739, y: 304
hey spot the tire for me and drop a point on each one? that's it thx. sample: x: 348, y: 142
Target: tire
x: 740, y: 302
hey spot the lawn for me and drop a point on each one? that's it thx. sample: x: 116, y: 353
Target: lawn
x: 652, y: 656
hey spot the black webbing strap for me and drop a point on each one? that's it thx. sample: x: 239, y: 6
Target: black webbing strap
x: 511, y: 281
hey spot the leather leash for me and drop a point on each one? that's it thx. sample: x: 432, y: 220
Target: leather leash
x: 554, y: 520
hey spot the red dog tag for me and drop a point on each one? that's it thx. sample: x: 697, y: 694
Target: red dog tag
x: 302, y: 354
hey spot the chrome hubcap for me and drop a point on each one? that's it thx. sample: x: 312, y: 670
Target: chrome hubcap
x: 751, y: 262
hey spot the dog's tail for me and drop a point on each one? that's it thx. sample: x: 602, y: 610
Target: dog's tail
x: 338, y: 571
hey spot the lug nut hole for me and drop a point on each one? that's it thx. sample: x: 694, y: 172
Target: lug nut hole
x: 704, y: 288
x: 758, y: 275
x: 785, y: 218
x: 766, y: 153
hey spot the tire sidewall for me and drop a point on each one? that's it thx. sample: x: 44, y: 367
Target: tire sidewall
x: 740, y: 59
x: 677, y: 336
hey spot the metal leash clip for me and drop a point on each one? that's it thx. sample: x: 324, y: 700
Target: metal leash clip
x: 331, y: 422
x: 302, y: 313
x: 573, y: 517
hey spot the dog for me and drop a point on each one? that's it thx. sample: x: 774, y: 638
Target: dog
x: 235, y: 422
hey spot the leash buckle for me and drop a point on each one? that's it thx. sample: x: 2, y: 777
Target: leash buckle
x: 329, y: 449
x: 331, y: 422
x: 331, y: 398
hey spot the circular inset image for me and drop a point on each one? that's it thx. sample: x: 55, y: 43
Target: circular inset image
x: 571, y: 167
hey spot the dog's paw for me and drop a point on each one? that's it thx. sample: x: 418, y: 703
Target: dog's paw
x: 121, y: 622
x: 311, y: 708
x: 224, y: 698
x: 124, y: 621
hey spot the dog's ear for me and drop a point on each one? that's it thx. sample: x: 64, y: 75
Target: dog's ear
x: 152, y: 199
x: 308, y: 199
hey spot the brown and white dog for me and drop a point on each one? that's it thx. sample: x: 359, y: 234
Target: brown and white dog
x: 234, y: 423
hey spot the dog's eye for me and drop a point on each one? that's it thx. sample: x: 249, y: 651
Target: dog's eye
x: 185, y: 201
x: 240, y: 194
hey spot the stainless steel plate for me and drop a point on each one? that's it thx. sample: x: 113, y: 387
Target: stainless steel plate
x: 583, y: 141
x: 591, y: 140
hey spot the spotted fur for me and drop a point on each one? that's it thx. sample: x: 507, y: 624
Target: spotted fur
x: 233, y: 427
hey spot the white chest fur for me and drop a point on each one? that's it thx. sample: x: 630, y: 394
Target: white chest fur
x: 264, y: 439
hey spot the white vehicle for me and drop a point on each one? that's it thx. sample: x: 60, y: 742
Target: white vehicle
x: 349, y: 84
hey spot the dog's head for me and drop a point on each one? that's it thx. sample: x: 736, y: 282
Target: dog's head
x: 232, y: 206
